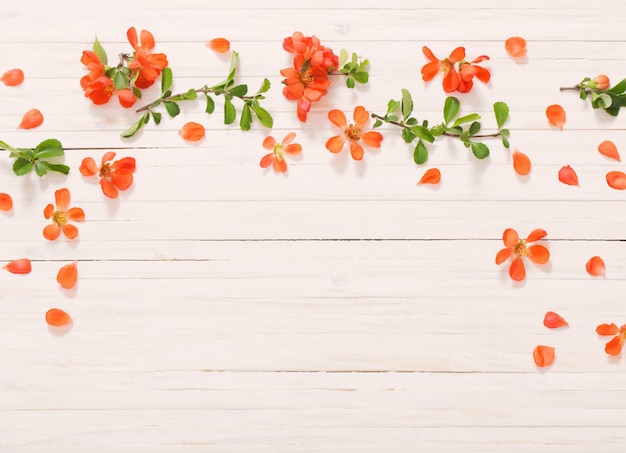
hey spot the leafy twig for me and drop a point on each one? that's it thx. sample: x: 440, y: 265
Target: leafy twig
x: 611, y: 100
x: 26, y: 159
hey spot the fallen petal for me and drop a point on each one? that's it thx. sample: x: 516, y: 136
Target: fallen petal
x: 432, y: 176
x: 57, y: 317
x: 553, y: 320
x: 607, y: 329
x: 556, y: 115
x: 616, y: 180
x: 68, y: 275
x: 515, y: 46
x: 614, y: 347
x: 543, y: 355
x: 521, y: 163
x: 568, y: 176
x: 21, y: 266
x: 31, y: 119
x: 595, y: 266
x: 219, y: 45
x: 6, y: 202
x: 607, y: 148
x: 192, y: 132
x: 13, y: 77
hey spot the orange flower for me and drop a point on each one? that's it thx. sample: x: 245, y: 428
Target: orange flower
x: 57, y: 317
x: 31, y: 119
x: 515, y: 46
x: 6, y: 202
x: 277, y: 156
x: 61, y: 217
x: 543, y: 355
x: 556, y: 115
x: 470, y: 69
x: 595, y: 266
x: 352, y: 132
x: 451, y: 77
x: 431, y: 176
x: 219, y: 45
x: 13, y: 77
x: 192, y: 132
x: 614, y: 346
x: 146, y: 66
x: 553, y: 320
x: 305, y: 84
x: 310, y: 50
x: 95, y: 84
x: 114, y: 175
x: 21, y: 266
x: 68, y: 275
x: 517, y: 249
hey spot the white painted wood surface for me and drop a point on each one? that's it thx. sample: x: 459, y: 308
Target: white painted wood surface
x: 340, y: 308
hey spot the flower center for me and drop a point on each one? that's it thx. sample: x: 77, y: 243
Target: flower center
x: 521, y: 249
x: 353, y: 132
x: 105, y: 170
x: 306, y: 77
x: 278, y: 151
x: 60, y: 218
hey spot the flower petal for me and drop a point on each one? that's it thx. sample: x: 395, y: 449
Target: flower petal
x: 521, y: 163
x: 616, y: 180
x: 556, y: 115
x: 503, y: 255
x: 431, y: 176
x: 451, y: 81
x: 543, y: 355
x: 607, y: 148
x: 289, y: 138
x: 62, y: 198
x: 108, y: 188
x: 553, y: 320
x: 68, y: 275
x: 147, y: 40
x: 70, y: 231
x: 51, y: 231
x: 510, y: 237
x: 568, y: 176
x: 361, y: 116
x: 429, y: 54
x: 219, y: 45
x: 338, y: 118
x: 595, y: 266
x: 293, y: 148
x: 535, y: 235
x: 122, y: 179
x: 131, y: 35
x: 20, y: 266
x: 335, y: 144
x: 372, y: 138
x: 515, y: 46
x: 269, y: 143
x: 538, y: 254
x: 279, y: 165
x: 457, y: 54
x: 31, y: 119
x: 267, y: 160
x: 192, y: 132
x: 607, y: 329
x: 356, y: 150
x: 57, y: 317
x: 6, y: 202
x: 88, y: 167
x: 76, y: 214
x: 517, y: 271
x: 13, y: 77
x: 614, y: 347
x: 430, y: 70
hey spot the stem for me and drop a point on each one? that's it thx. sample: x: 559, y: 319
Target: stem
x: 174, y: 96
x: 447, y: 134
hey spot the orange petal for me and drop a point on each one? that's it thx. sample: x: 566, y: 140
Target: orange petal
x: 108, y: 188
x: 219, y: 45
x: 607, y: 329
x: 338, y: 118
x: 517, y: 271
x: 614, y: 347
x: 70, y: 231
x: 122, y: 179
x: 556, y: 115
x: 595, y: 266
x: 356, y: 150
x: 451, y: 81
x: 32, y: 118
x: 543, y: 355
x: 568, y: 176
x: 361, y: 116
x: 131, y: 35
x: 147, y: 40
x: 267, y: 160
x: 21, y: 266
x: 51, y: 232
x: 192, y: 132
x: 538, y: 254
x: 57, y: 317
x: 553, y: 320
x: 521, y: 163
x: 269, y: 143
x: 430, y: 70
x: 126, y: 98
x: 88, y: 167
x: 13, y: 77
x: 372, y: 138
x: 335, y: 144
x: 535, y: 235
x: 68, y: 275
x: 432, y: 176
x: 6, y: 202
x: 515, y: 46
x: 457, y: 54
x: 510, y: 237
x: 279, y: 165
x: 62, y: 198
x: 616, y: 180
x: 429, y: 54
x: 504, y: 255
x: 289, y: 138
x: 76, y: 214
x: 293, y: 148
x: 607, y: 148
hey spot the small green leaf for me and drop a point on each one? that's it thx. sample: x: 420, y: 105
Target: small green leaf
x: 246, y: 118
x: 165, y: 94
x: 602, y: 100
x: 210, y: 104
x: 505, y: 142
x: 466, y: 119
x: 22, y: 166
x: 134, y: 128
x: 230, y: 113
x: 464, y: 137
x: 407, y: 103
x: 263, y: 115
x: 437, y: 131
x: 392, y: 118
x: 480, y: 150
x: 474, y: 128
x: 146, y: 118
x: 99, y: 50
x: 450, y: 109
x: 616, y: 104
x: 172, y: 108
x: 166, y: 79
x: 423, y: 133
x: 40, y: 168
x: 392, y: 106
x: 120, y: 80
x: 265, y: 86
x: 583, y: 94
x: 136, y: 92
x: 411, y: 122
x: 190, y: 95
x: 60, y: 168
x: 619, y: 88
x: 501, y: 111
x: 407, y: 135
x: 343, y: 57
x: 156, y: 116
x: 420, y: 154
x: 377, y: 123
x: 238, y: 91
x: 350, y: 82
x: 361, y: 77
x: 48, y: 148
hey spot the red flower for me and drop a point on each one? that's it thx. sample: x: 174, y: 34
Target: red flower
x: 305, y: 84
x: 114, y: 176
x: 613, y: 347
x: 352, y: 132
x: 96, y: 85
x: 311, y: 51
x: 277, y: 156
x: 61, y: 216
x: 451, y: 77
x: 468, y: 70
x: 517, y: 248
x: 146, y: 66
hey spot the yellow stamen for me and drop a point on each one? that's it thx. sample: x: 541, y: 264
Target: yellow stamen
x: 353, y: 132
x: 521, y: 249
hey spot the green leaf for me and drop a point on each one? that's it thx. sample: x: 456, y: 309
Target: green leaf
x: 480, y: 150
x: 99, y: 50
x: 616, y: 104
x: 391, y: 118
x: 466, y: 119
x: 120, y: 80
x: 350, y: 82
x: 22, y: 166
x: 156, y: 116
x: 238, y: 91
x: 230, y: 114
x: 361, y: 77
x: 377, y: 123
x: 48, y: 148
x: 423, y: 133
x: 40, y: 168
x: 501, y: 111
x: 420, y: 154
x: 411, y: 122
x: 166, y: 79
x: 136, y: 92
x: 407, y: 135
x: 246, y: 118
x: 601, y: 100
x: 450, y: 109
x: 263, y: 115
x: 407, y: 103
x: 190, y: 95
x: 437, y: 131
x: 392, y: 106
x: 474, y: 128
x: 135, y: 127
x: 464, y: 137
x: 343, y: 57
x: 165, y: 94
x: 619, y: 88
x: 210, y: 104
x: 6, y: 146
x: 60, y: 168
x: 172, y: 108
x: 505, y: 142
x: 265, y: 86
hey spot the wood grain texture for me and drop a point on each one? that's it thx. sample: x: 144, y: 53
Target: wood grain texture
x: 340, y: 308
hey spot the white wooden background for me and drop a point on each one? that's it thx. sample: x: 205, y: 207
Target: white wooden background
x: 340, y: 308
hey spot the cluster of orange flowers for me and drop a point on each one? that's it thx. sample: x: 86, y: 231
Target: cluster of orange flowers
x: 135, y: 71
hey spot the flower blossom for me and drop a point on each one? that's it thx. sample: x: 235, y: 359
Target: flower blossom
x: 114, y: 175
x: 614, y: 346
x: 146, y: 66
x: 277, y: 156
x: 516, y: 249
x: 455, y: 79
x: 61, y: 217
x: 352, y: 132
x: 97, y: 87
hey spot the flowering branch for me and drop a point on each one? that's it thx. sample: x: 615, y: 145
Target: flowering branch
x: 452, y: 126
x: 611, y: 100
